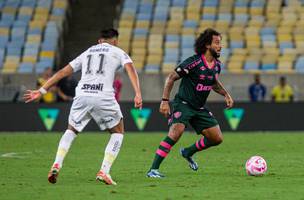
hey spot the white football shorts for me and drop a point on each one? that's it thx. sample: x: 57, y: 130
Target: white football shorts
x: 105, y: 112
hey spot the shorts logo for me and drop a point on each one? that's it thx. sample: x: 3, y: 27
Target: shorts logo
x: 177, y: 115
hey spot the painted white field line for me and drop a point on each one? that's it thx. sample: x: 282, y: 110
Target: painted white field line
x: 15, y: 155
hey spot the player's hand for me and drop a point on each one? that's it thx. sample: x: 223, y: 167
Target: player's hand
x: 31, y: 95
x: 164, y: 108
x: 229, y: 101
x: 138, y: 101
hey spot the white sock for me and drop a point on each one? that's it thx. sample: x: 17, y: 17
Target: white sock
x: 64, y: 146
x: 111, y: 151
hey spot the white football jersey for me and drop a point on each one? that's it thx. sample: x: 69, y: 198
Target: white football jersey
x: 98, y: 65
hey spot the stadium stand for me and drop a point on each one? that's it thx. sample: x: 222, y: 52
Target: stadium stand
x: 258, y: 35
x: 30, y: 32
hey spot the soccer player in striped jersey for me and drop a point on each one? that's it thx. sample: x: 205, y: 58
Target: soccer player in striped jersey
x: 199, y: 75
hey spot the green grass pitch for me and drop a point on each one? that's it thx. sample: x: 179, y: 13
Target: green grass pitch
x: 26, y: 159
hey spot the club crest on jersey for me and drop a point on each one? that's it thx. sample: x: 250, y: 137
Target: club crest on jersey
x: 202, y: 77
x: 177, y: 115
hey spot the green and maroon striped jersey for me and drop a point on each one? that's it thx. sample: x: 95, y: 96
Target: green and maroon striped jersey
x: 197, y: 79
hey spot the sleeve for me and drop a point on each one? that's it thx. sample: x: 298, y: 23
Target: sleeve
x: 125, y: 58
x: 77, y: 63
x: 184, y: 68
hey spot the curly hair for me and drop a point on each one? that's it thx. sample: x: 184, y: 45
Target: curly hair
x: 204, y: 39
x: 109, y: 33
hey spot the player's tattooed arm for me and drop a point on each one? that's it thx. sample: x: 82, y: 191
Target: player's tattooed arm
x: 219, y: 88
x: 164, y: 106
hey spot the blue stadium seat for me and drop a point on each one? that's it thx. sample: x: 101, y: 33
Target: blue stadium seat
x: 236, y: 44
x: 210, y: 3
x: 26, y: 68
x: 299, y: 66
x: 270, y: 66
x: 225, y: 17
x: 251, y: 65
x: 241, y: 3
x: 268, y: 31
x: 28, y: 3
x: 179, y: 3
x: 190, y: 24
x: 285, y: 45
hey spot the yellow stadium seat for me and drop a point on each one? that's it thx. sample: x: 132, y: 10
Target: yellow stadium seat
x: 139, y: 44
x: 171, y: 44
x: 127, y: 16
x: 284, y: 37
x: 209, y: 10
x: 33, y: 39
x: 47, y: 54
x: 159, y: 24
x: 154, y: 59
x: 240, y: 51
x: 138, y: 51
x: 188, y: 31
x: 138, y: 63
x: 26, y: 11
x: 256, y: 11
x: 168, y: 67
x: 155, y: 51
x: 240, y: 10
x: 60, y: 4
x: 4, y: 31
x: 9, y: 10
x: 142, y: 24
x: 285, y: 66
x: 235, y: 66
x: 37, y: 24
x: 126, y: 24
x: 274, y: 52
x: 30, y: 59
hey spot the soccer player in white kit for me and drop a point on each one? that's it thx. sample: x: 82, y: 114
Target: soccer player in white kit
x: 94, y: 99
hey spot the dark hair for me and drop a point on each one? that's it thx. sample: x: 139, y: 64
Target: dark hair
x: 109, y: 33
x: 204, y: 39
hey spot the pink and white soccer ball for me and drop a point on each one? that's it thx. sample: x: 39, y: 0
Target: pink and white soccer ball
x: 256, y: 166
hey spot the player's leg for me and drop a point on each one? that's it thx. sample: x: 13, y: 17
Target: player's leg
x: 108, y: 116
x: 63, y: 148
x: 204, y: 123
x: 211, y: 137
x: 175, y: 132
x: 111, y: 153
x: 78, y: 119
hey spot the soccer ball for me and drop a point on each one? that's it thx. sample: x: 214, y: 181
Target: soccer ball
x: 256, y: 166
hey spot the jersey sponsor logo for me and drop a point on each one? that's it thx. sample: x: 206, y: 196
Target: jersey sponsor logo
x: 194, y: 64
x: 92, y: 86
x: 177, y: 115
x: 200, y: 87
